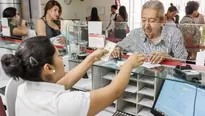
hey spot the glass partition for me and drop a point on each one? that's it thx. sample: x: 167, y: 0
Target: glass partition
x: 173, y: 43
x: 136, y: 40
x: 165, y: 38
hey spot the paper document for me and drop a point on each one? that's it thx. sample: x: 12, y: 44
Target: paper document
x: 96, y: 41
x: 6, y: 31
x: 149, y: 65
x: 4, y: 22
x: 94, y: 27
x: 200, y: 58
x: 120, y: 63
x: 110, y: 46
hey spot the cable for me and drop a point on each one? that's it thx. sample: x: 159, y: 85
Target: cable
x: 196, y: 82
x: 194, y: 108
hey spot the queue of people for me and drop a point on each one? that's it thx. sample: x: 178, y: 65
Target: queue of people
x: 38, y: 62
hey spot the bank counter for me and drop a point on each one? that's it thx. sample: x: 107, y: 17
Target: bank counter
x: 144, y: 87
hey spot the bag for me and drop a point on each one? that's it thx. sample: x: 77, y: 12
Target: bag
x: 120, y: 33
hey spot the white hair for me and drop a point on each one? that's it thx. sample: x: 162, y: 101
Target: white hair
x: 155, y: 4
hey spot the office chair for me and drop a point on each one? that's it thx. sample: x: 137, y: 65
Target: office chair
x: 2, y: 109
x: 10, y: 95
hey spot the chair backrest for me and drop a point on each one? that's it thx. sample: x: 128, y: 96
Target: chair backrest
x: 2, y: 110
x: 10, y: 95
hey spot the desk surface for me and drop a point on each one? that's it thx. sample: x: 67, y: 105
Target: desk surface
x: 161, y: 72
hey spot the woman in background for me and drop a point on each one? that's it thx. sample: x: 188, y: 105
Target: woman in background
x: 94, y: 15
x: 46, y: 26
x: 121, y: 27
x: 43, y: 93
x: 170, y: 16
x: 14, y: 19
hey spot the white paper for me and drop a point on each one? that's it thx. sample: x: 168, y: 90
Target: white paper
x: 146, y: 102
x: 149, y: 65
x: 4, y: 22
x: 6, y: 31
x: 147, y: 91
x: 110, y: 46
x: 200, y: 58
x: 96, y: 41
x: 94, y: 27
x: 5, y: 27
x: 145, y: 112
x: 109, y: 76
x: 131, y: 89
x: 120, y: 63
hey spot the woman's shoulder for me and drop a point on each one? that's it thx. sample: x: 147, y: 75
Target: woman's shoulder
x: 41, y: 20
x: 40, y: 23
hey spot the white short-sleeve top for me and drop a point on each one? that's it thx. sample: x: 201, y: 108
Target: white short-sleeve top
x: 48, y: 99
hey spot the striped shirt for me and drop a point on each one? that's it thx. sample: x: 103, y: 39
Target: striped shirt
x: 172, y: 42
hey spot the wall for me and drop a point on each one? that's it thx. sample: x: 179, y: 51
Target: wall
x: 35, y: 9
x: 76, y: 10
x: 106, y: 4
x: 79, y: 9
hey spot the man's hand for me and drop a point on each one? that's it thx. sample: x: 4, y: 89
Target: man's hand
x: 62, y: 40
x: 135, y: 60
x: 158, y: 57
x: 117, y: 53
x: 97, y: 54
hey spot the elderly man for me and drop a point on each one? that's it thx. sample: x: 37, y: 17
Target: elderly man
x: 156, y: 41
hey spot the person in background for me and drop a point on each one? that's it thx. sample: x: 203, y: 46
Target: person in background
x: 121, y: 27
x: 156, y: 41
x: 170, y: 15
x: 199, y: 19
x: 176, y: 19
x: 44, y: 92
x: 189, y: 29
x: 14, y: 19
x: 113, y: 16
x: 46, y: 26
x: 94, y: 15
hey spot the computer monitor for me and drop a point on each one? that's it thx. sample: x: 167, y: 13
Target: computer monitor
x: 200, y: 102
x: 175, y: 99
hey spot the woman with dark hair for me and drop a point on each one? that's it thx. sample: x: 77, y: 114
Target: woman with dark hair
x: 39, y: 63
x: 176, y: 19
x: 46, y: 26
x: 170, y: 15
x: 14, y: 19
x: 122, y: 16
x: 121, y: 27
x: 94, y: 15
